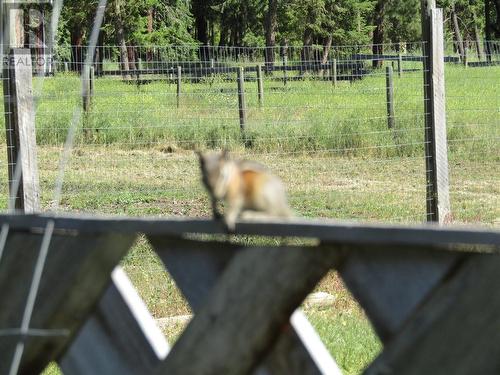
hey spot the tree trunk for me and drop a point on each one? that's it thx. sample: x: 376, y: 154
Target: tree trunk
x: 39, y: 46
x: 327, y: 45
x: 496, y: 24
x: 201, y: 25
x: 326, y: 49
x: 477, y: 37
x: 270, y: 25
x: 306, y: 48
x: 488, y: 34
x: 458, y: 35
x: 76, y: 50
x: 149, y: 53
x: 120, y: 39
x: 378, y: 33
x: 131, y: 58
x: 99, y: 56
x: 496, y: 27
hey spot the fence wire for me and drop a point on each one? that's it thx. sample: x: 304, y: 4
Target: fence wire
x: 473, y: 129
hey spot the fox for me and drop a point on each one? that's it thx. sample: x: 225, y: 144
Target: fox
x: 244, y: 186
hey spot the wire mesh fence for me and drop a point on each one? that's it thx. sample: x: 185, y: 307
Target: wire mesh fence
x: 473, y: 130
x: 346, y: 144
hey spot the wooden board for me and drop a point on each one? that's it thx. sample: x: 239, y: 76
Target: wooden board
x: 196, y: 266
x: 390, y: 282
x: 456, y: 331
x: 76, y: 273
x: 434, y: 236
x: 20, y: 127
x: 120, y: 337
x: 247, y: 309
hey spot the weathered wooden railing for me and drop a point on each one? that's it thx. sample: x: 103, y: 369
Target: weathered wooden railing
x: 432, y: 294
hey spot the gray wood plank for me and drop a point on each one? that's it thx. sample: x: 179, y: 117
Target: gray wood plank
x: 439, y: 142
x: 20, y: 127
x: 436, y: 155
x: 456, y: 331
x: 76, y: 273
x: 428, y: 235
x: 120, y: 337
x: 196, y: 266
x: 245, y: 312
x: 390, y: 283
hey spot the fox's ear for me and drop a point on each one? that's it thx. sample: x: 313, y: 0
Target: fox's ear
x: 225, y: 154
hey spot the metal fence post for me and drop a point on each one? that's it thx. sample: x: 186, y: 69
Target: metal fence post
x: 436, y: 155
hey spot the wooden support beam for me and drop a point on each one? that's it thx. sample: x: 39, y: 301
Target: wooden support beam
x: 120, y: 337
x: 456, y: 331
x: 196, y: 266
x: 462, y: 239
x: 76, y: 273
x: 247, y: 309
x: 390, y: 283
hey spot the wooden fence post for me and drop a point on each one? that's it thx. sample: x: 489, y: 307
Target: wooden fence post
x: 285, y: 73
x: 436, y: 155
x: 88, y: 87
x: 241, y: 98
x: 390, y: 97
x: 260, y: 86
x: 92, y: 81
x: 212, y: 71
x: 334, y: 72
x: 20, y: 129
x: 179, y: 77
x: 400, y: 65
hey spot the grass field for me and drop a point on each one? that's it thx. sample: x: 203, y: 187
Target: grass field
x: 330, y: 145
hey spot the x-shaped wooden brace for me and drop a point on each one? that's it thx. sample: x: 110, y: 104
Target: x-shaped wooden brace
x: 242, y: 298
x: 416, y: 297
x: 431, y: 299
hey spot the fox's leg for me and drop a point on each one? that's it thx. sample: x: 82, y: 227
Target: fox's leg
x: 232, y: 212
x: 215, y: 211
